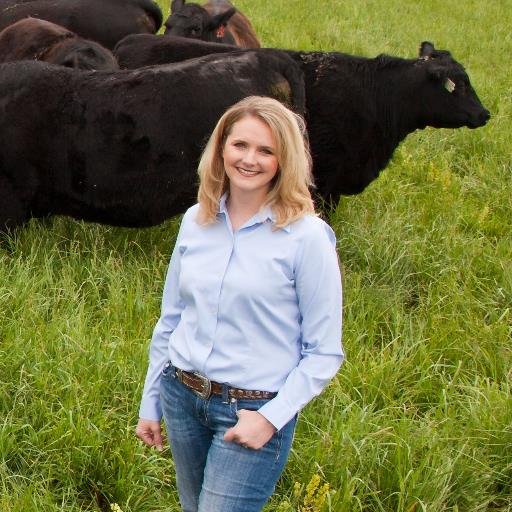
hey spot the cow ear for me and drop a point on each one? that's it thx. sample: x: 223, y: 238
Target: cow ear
x: 426, y: 50
x: 177, y: 5
x: 221, y: 19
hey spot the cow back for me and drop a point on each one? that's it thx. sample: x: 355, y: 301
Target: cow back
x: 82, y: 54
x: 103, y: 21
x: 140, y: 50
x: 29, y: 38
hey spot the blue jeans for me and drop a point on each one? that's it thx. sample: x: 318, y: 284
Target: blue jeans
x: 213, y: 475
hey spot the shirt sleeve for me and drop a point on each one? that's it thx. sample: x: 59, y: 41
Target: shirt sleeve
x: 170, y: 315
x: 319, y: 295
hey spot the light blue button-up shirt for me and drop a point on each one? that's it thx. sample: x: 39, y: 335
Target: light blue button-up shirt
x: 258, y: 308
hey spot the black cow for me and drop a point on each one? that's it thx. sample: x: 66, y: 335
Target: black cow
x: 216, y: 21
x: 358, y: 110
x: 121, y: 147
x: 103, y: 21
x: 31, y: 38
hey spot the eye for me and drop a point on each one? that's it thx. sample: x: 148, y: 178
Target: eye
x: 239, y: 144
x: 267, y: 151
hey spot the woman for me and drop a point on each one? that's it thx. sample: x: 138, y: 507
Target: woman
x: 250, y: 326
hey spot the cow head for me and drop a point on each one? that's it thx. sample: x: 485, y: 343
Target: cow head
x: 448, y: 100
x: 193, y: 21
x: 81, y: 53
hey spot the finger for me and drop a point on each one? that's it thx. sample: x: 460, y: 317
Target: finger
x: 230, y: 435
x: 146, y: 436
x: 233, y: 438
x: 158, y: 441
x: 149, y: 437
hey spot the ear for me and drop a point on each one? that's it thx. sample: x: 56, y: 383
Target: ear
x: 426, y: 50
x: 221, y: 19
x: 177, y: 5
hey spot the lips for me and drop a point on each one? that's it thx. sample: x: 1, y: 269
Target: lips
x: 247, y: 173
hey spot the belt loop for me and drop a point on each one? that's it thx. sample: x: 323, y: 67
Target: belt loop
x: 225, y: 394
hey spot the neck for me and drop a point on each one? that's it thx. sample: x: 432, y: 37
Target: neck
x: 241, y: 207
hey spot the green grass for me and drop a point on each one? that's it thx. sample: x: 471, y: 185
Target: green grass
x: 419, y: 418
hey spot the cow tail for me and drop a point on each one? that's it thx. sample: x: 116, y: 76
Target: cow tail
x: 295, y: 77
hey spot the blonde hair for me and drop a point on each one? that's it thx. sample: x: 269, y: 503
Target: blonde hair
x: 289, y: 196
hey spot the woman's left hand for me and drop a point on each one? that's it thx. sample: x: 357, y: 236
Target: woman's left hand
x: 252, y: 430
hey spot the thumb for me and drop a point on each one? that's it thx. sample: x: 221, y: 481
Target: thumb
x: 230, y: 434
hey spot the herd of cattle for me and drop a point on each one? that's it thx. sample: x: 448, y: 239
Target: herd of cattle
x: 110, y: 127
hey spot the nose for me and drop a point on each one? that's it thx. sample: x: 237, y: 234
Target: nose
x: 249, y: 157
x: 485, y: 116
x: 480, y: 119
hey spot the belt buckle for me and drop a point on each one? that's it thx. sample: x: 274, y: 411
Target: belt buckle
x: 205, y: 384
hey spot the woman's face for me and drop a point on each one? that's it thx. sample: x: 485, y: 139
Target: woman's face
x: 250, y: 159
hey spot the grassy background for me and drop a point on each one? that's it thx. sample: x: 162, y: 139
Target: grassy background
x: 420, y: 416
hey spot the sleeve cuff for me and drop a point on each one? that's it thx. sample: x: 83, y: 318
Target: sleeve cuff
x: 278, y: 412
x: 150, y: 409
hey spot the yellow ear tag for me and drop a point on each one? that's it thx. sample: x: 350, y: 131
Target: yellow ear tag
x: 449, y: 85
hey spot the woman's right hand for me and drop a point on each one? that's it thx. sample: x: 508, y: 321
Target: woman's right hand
x: 150, y: 432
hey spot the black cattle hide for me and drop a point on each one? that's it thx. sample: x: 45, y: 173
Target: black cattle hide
x: 138, y: 50
x: 121, y: 147
x: 80, y: 53
x: 103, y: 21
x: 31, y: 38
x: 358, y: 110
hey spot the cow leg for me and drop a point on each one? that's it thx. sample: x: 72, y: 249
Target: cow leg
x: 12, y: 211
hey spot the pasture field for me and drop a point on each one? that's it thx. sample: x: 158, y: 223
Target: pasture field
x: 419, y: 417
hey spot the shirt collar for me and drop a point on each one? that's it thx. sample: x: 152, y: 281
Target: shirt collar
x: 265, y: 214
x: 222, y: 204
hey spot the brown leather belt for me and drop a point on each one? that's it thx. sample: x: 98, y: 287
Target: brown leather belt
x: 204, y: 387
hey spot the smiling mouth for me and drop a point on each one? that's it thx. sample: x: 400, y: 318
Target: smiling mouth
x: 247, y: 173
